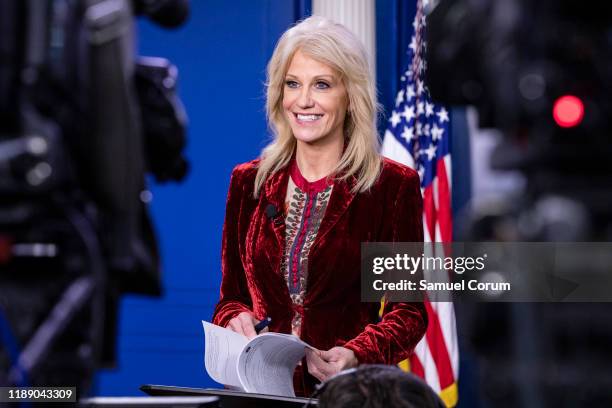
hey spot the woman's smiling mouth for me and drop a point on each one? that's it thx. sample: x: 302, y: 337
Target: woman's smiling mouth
x: 307, y: 118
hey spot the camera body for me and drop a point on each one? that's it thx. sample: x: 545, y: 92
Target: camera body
x: 513, y: 60
x: 82, y: 120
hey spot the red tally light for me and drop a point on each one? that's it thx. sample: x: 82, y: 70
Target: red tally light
x: 568, y: 111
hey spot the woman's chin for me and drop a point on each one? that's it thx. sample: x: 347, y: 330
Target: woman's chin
x: 308, y: 138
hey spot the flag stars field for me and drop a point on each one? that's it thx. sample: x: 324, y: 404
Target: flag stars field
x: 411, y: 94
x: 420, y: 108
x: 407, y: 134
x: 431, y: 152
x: 420, y: 88
x: 436, y: 132
x: 443, y: 115
x: 429, y: 109
x: 395, y: 119
x: 408, y: 113
x: 400, y: 98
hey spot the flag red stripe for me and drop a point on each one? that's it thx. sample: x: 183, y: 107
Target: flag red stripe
x: 444, y: 202
x: 435, y: 338
x: 429, y: 208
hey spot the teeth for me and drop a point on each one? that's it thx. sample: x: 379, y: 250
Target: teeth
x: 308, y: 118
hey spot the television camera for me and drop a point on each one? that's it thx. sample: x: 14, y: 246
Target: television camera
x: 540, y: 73
x: 82, y: 120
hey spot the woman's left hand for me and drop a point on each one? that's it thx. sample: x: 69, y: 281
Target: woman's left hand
x: 323, y: 364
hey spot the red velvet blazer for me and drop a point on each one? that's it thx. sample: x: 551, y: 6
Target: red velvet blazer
x: 333, y: 314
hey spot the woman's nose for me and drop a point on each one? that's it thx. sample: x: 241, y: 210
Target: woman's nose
x: 305, y: 99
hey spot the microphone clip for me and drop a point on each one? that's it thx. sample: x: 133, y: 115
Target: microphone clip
x: 273, y: 214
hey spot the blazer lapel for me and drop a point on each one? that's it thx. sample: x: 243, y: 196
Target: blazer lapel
x: 275, y: 190
x: 339, y: 202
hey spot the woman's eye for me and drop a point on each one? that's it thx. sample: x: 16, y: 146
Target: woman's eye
x: 291, y: 84
x: 321, y: 85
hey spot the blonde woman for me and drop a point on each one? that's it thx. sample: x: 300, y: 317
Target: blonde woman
x: 296, y: 217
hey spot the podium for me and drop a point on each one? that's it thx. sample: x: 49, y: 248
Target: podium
x: 229, y: 398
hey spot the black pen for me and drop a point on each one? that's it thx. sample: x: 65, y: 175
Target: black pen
x: 263, y: 324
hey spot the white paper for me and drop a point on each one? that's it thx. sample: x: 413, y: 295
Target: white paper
x: 267, y: 363
x: 264, y: 365
x: 221, y: 350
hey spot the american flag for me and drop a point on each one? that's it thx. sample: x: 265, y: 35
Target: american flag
x: 418, y: 136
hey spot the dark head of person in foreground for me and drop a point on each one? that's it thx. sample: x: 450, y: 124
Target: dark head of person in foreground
x: 373, y: 386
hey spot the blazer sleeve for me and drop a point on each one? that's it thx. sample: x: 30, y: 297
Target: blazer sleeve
x: 234, y: 294
x: 403, y: 324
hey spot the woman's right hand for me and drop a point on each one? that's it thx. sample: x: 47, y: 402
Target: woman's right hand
x: 243, y: 324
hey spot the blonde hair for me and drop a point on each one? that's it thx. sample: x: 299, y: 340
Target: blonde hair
x: 334, y: 45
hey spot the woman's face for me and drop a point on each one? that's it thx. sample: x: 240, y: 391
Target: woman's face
x: 314, y: 100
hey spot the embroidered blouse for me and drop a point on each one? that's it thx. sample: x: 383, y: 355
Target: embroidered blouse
x: 305, y: 205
